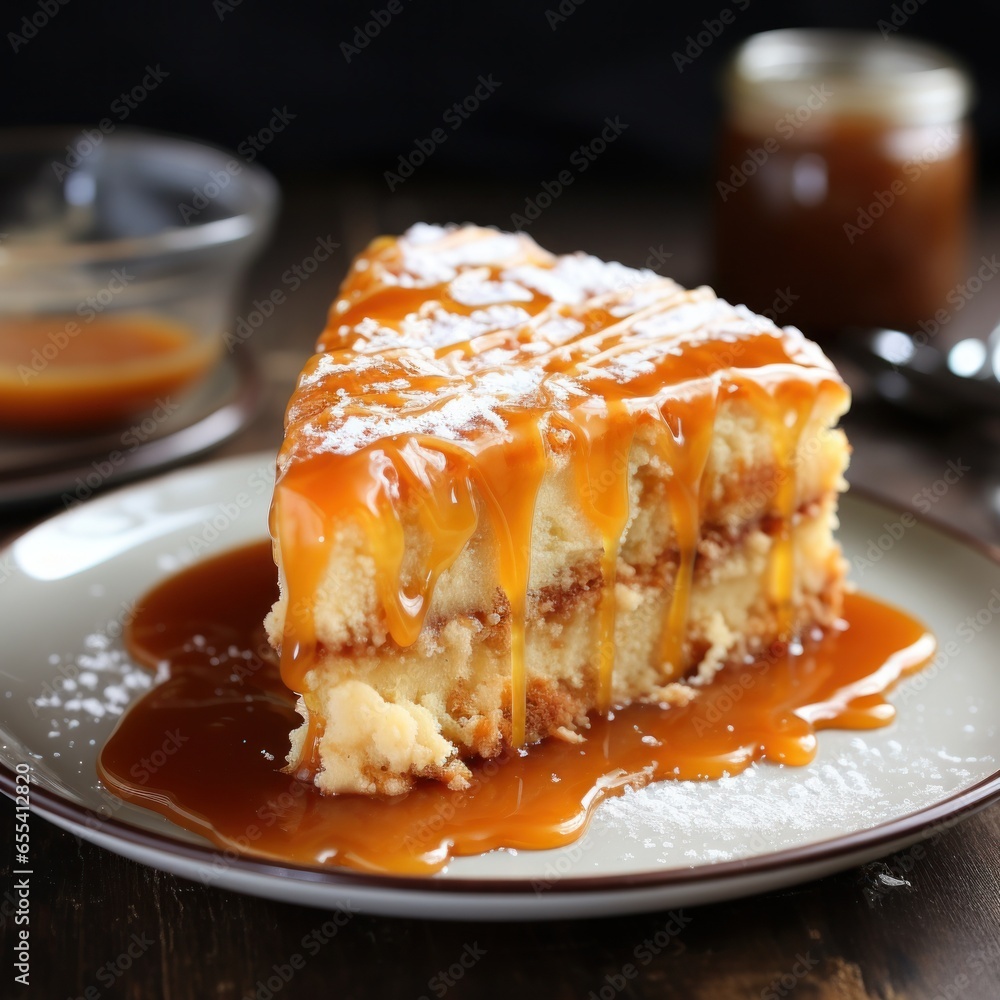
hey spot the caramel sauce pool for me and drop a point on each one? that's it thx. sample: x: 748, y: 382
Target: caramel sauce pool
x: 61, y: 373
x: 206, y: 747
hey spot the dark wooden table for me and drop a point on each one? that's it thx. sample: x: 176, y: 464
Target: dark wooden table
x: 116, y: 928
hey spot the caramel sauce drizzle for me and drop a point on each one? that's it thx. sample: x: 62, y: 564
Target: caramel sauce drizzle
x: 603, y: 442
x: 417, y: 398
x: 687, y: 454
x: 790, y: 410
x: 225, y: 695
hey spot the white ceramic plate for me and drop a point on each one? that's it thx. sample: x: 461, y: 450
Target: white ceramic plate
x: 67, y: 584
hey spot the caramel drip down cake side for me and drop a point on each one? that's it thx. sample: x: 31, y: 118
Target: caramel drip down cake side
x: 517, y: 488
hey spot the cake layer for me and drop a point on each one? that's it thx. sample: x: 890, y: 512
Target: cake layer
x: 741, y: 485
x: 393, y: 713
x: 516, y: 488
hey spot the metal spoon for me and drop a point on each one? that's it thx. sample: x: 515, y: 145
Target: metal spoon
x: 913, y: 373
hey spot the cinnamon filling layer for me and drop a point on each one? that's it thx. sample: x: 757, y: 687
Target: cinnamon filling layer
x: 716, y: 545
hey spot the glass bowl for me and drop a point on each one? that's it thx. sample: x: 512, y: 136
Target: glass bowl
x: 121, y: 255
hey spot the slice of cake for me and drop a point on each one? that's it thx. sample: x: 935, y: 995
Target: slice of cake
x: 518, y: 488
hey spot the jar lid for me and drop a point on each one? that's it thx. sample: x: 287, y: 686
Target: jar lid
x: 846, y: 72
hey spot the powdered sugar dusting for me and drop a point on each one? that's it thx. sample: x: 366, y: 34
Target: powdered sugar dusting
x: 504, y: 324
x: 768, y: 807
x: 559, y: 330
x: 443, y: 329
x: 447, y: 421
x: 598, y: 277
x: 98, y: 682
x: 548, y: 282
x: 647, y: 295
x: 432, y: 254
x: 473, y: 288
x: 423, y: 232
x: 686, y: 317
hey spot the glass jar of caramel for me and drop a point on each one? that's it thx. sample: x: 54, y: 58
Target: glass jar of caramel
x: 843, y: 179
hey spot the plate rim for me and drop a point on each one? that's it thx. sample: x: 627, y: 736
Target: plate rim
x: 909, y: 828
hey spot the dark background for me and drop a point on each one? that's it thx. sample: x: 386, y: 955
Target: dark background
x: 230, y: 62
x: 563, y: 67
